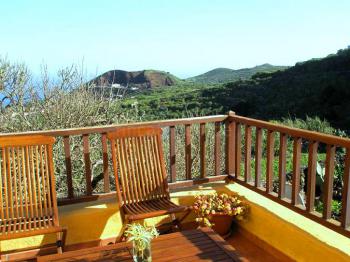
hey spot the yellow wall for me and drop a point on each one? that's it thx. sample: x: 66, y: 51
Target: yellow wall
x: 294, y: 235
x: 291, y: 233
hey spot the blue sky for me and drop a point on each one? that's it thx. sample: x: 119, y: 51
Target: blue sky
x: 185, y: 37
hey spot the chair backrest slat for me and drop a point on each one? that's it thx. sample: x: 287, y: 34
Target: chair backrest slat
x: 139, y: 164
x: 27, y: 185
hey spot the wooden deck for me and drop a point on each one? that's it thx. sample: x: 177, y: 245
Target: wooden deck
x: 254, y: 249
x: 246, y: 245
x: 190, y: 245
x: 249, y: 246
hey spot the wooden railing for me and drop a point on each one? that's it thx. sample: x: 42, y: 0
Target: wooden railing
x: 240, y: 162
x: 240, y: 167
x: 168, y: 125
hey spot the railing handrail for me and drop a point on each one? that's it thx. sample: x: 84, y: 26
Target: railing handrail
x: 295, y: 137
x: 292, y: 131
x: 108, y: 128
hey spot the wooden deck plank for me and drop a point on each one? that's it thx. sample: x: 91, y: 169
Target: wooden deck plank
x: 193, y: 245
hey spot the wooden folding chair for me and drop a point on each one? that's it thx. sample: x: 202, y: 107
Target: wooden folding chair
x: 141, y: 178
x: 27, y: 189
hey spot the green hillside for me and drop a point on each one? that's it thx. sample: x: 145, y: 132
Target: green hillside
x: 222, y: 75
x: 318, y: 87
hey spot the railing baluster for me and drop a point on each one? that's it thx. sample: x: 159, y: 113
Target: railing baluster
x: 106, y: 182
x: 269, y: 160
x: 188, y: 157
x: 247, y: 154
x: 258, y: 154
x: 345, y: 217
x: 238, y: 149
x: 328, y: 182
x: 296, y: 170
x: 311, y: 176
x: 282, y: 166
x: 217, y: 151
x: 68, y: 162
x: 172, y: 159
x: 202, y: 138
x: 87, y: 161
x: 230, y: 127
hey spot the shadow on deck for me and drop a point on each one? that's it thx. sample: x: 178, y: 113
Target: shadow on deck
x: 250, y: 247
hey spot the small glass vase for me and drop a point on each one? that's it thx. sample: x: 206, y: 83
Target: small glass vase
x: 141, y: 251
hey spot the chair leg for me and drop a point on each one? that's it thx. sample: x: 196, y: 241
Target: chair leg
x: 64, y: 237
x: 176, y: 226
x: 122, y: 237
x: 61, y: 240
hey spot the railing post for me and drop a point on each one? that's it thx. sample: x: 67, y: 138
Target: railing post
x: 230, y: 132
x: 311, y: 176
x: 269, y: 160
x: 258, y: 155
x: 328, y: 182
x: 282, y: 166
x: 345, y: 217
x: 172, y: 157
x: 188, y: 157
x: 202, y: 139
x: 87, y: 161
x: 296, y: 170
x: 238, y: 150
x: 247, y: 153
x: 106, y: 182
x: 68, y: 161
x: 217, y: 151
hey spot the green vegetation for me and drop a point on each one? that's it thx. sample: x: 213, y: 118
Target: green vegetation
x: 169, y: 102
x: 223, y: 75
x: 316, y: 88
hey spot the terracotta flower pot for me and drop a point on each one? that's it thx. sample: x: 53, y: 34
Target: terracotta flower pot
x: 222, y: 224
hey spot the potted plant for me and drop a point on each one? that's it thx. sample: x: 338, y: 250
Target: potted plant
x: 141, y: 237
x: 219, y: 210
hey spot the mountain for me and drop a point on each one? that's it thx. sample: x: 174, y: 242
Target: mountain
x: 139, y: 79
x: 222, y: 75
x: 318, y: 87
